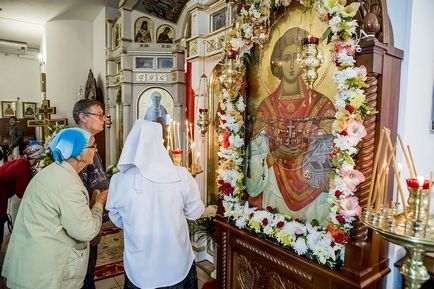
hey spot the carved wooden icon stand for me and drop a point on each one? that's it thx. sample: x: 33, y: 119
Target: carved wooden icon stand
x: 246, y: 261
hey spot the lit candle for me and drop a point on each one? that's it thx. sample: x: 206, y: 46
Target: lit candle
x: 420, y: 181
x: 191, y: 132
x: 198, y: 161
x: 398, y: 175
x: 187, y: 163
x: 178, y: 134
x: 169, y: 132
x: 386, y: 184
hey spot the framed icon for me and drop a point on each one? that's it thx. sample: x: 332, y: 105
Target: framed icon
x: 218, y: 20
x: 29, y: 109
x: 9, y: 108
x: 165, y: 63
x: 144, y: 62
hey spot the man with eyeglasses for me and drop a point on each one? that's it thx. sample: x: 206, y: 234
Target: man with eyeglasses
x: 89, y: 115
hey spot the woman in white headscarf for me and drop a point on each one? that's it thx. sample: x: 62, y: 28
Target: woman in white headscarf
x: 150, y: 198
x: 49, y: 245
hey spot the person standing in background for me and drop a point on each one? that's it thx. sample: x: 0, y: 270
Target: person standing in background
x: 89, y: 115
x: 16, y: 138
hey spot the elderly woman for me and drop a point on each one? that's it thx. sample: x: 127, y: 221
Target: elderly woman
x: 49, y: 244
x: 151, y: 198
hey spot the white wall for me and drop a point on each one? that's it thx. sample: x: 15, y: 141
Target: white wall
x: 19, y: 77
x: 69, y: 45
x: 412, y: 23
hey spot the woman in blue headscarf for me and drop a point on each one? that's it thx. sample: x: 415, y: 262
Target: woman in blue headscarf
x: 49, y: 245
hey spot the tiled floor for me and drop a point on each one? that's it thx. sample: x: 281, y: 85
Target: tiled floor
x: 117, y: 282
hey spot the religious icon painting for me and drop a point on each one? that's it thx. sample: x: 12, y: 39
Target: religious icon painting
x: 116, y: 34
x: 29, y: 109
x: 288, y: 149
x: 143, y: 30
x: 218, y: 20
x: 155, y: 104
x: 165, y: 63
x: 144, y: 62
x: 165, y: 34
x: 9, y: 108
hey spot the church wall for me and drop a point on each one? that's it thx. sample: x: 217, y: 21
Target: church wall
x: 410, y: 21
x: 19, y: 77
x: 69, y: 57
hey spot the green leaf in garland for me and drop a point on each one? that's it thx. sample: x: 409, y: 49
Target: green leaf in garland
x: 326, y: 35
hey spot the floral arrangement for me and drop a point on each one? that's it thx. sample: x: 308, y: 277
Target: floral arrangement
x: 204, y: 226
x: 323, y: 245
x: 47, y: 157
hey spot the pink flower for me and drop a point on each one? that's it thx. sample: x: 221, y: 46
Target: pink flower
x: 356, y: 129
x: 352, y: 178
x: 362, y: 71
x: 346, y: 46
x: 350, y: 207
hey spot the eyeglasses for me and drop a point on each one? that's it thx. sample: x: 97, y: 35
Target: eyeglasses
x: 100, y: 116
x: 91, y: 146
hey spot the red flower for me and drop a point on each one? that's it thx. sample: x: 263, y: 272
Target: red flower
x: 338, y: 193
x: 329, y: 16
x: 245, y: 196
x: 280, y: 224
x: 269, y: 208
x: 220, y: 182
x: 338, y: 235
x: 227, y: 189
x: 265, y: 221
x: 340, y: 219
x: 297, y: 220
x: 344, y: 133
x: 251, y: 215
x: 349, y: 108
x: 225, y: 142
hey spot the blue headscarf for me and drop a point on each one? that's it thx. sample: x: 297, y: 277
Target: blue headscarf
x: 69, y: 143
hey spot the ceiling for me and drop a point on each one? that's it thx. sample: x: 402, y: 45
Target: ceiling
x: 24, y: 20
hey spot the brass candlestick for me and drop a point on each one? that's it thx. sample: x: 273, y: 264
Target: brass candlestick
x: 310, y: 61
x: 411, y: 228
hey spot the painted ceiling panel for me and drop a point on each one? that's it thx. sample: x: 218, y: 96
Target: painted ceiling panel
x: 166, y: 9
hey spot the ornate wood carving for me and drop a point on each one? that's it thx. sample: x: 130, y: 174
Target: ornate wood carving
x: 278, y: 261
x: 375, y: 20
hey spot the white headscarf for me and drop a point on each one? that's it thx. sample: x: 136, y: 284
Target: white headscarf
x: 144, y: 149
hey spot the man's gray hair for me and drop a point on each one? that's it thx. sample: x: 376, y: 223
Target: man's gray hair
x: 82, y: 106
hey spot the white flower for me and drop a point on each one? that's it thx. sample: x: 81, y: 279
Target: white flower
x: 236, y: 43
x: 241, y: 222
x: 296, y: 228
x: 241, y: 106
x: 344, y: 58
x: 210, y: 211
x: 300, y: 246
x: 248, y: 30
x: 334, y: 24
x: 236, y: 141
x: 268, y: 230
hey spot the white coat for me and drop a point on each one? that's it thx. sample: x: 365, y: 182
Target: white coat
x: 151, y: 199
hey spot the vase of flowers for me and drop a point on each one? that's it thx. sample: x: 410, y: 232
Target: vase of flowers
x: 204, y: 230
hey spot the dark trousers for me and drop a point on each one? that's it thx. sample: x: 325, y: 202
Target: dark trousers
x: 89, y: 282
x: 190, y: 282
